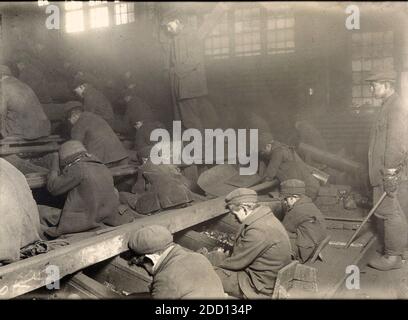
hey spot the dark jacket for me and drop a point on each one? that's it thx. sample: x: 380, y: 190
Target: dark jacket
x: 142, y: 139
x: 307, y: 222
x: 160, y: 187
x: 388, y: 139
x: 185, y: 59
x: 98, y: 138
x: 91, y: 199
x: 96, y: 102
x: 284, y: 164
x: 23, y: 114
x: 261, y: 249
x: 186, y: 275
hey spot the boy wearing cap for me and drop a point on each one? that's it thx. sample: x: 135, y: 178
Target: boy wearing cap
x: 261, y: 248
x: 91, y: 198
x: 303, y: 220
x: 97, y: 136
x: 177, y: 273
x: 95, y: 101
x: 387, y: 167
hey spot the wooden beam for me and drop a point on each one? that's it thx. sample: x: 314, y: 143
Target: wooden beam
x: 50, y: 147
x: 29, y: 274
x: 40, y: 180
x: 91, y: 288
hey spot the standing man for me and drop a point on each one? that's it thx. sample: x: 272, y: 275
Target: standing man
x: 185, y: 62
x: 177, y: 273
x: 97, y: 136
x: 387, y: 166
x: 261, y: 248
x: 21, y: 114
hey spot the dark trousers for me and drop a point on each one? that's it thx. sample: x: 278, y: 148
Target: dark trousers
x: 394, y: 212
x: 198, y: 113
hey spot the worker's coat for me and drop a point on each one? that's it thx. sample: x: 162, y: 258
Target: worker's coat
x: 160, y: 187
x: 307, y: 223
x: 98, y: 138
x: 261, y: 249
x: 388, y: 140
x: 22, y: 112
x: 20, y: 222
x: 285, y: 164
x: 97, y: 103
x: 91, y: 199
x: 186, y: 275
x: 143, y: 143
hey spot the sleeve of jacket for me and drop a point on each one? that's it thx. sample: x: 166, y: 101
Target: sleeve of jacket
x: 65, y: 182
x: 289, y: 222
x: 78, y: 132
x: 250, y: 247
x: 274, y: 163
x: 165, y: 290
x: 397, y: 135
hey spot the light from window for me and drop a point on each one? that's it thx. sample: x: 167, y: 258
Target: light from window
x: 96, y: 3
x: 42, y: 3
x: 217, y: 43
x: 124, y: 13
x: 371, y: 52
x: 74, y: 21
x: 99, y: 17
x: 73, y: 5
x: 247, y: 32
x: 280, y: 35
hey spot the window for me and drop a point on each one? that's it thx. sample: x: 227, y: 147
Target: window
x: 280, y: 34
x: 371, y: 52
x: 124, y: 13
x: 252, y: 30
x: 96, y: 3
x: 42, y: 3
x: 247, y: 28
x: 99, y: 17
x: 74, y: 16
x: 217, y: 43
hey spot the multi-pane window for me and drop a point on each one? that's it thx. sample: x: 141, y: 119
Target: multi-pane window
x: 253, y: 30
x: 247, y: 28
x: 371, y: 52
x: 99, y: 14
x: 74, y: 16
x: 280, y: 34
x: 124, y: 13
x: 217, y: 43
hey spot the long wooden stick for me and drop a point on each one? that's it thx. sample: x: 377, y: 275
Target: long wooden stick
x: 366, y: 219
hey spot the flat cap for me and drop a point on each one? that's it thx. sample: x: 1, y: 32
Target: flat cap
x: 150, y: 239
x: 70, y: 149
x: 241, y: 195
x: 292, y: 187
x: 72, y: 105
x: 390, y: 75
x: 264, y: 139
x: 4, y: 70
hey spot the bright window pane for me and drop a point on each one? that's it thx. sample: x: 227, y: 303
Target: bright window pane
x: 73, y: 5
x: 124, y: 13
x: 99, y: 17
x: 74, y: 21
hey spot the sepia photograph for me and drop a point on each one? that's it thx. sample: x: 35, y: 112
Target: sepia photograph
x: 224, y: 152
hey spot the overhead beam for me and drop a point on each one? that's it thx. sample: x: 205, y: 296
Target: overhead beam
x: 30, y: 274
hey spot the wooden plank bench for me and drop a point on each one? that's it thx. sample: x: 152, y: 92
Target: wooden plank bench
x: 15, y: 145
x: 39, y: 180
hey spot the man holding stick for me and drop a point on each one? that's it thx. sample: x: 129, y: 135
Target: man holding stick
x: 388, y: 170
